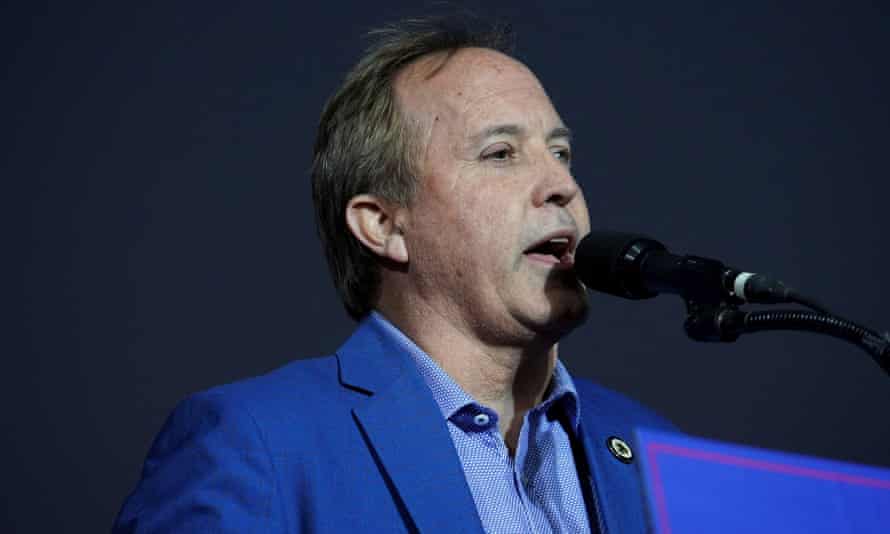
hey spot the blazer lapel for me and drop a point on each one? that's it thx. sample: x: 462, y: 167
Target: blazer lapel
x: 616, y: 486
x: 404, y: 429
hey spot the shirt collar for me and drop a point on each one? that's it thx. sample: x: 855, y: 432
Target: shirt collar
x: 451, y: 398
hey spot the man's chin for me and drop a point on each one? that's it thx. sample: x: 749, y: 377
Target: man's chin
x: 568, y: 298
x: 573, y: 316
x: 566, y: 310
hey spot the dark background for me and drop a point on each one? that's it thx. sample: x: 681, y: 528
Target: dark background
x: 156, y: 171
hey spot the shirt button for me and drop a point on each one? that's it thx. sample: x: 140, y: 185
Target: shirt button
x: 481, y: 419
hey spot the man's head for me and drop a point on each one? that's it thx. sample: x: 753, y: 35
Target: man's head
x: 365, y: 145
x: 484, y: 185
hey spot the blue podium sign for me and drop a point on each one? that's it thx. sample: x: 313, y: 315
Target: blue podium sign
x: 696, y: 485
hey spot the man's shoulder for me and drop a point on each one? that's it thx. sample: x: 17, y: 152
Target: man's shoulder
x: 309, y: 385
x: 317, y: 393
x: 305, y: 375
x: 599, y: 401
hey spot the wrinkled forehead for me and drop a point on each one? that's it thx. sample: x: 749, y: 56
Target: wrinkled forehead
x: 463, y: 87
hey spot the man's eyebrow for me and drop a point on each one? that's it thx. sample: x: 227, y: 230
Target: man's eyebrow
x: 516, y: 131
x: 498, y: 129
x: 560, y: 132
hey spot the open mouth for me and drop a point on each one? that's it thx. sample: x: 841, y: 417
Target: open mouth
x: 555, y: 250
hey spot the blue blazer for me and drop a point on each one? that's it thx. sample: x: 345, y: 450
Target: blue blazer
x: 352, y: 442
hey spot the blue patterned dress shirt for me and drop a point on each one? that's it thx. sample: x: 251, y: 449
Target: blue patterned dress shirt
x: 535, y: 491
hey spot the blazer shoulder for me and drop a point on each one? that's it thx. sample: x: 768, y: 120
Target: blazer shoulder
x: 223, y: 443
x: 605, y: 402
x: 299, y: 386
x: 317, y: 373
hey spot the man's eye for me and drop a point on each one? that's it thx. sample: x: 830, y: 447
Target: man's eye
x: 563, y: 154
x: 500, y: 154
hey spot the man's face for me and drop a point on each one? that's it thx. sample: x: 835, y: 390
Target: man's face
x: 494, y: 187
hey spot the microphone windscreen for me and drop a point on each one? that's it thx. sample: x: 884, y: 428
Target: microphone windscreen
x: 610, y: 262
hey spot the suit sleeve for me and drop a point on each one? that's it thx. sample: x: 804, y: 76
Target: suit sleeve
x: 209, y: 470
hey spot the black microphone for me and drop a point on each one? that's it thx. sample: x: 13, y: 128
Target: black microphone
x: 638, y: 267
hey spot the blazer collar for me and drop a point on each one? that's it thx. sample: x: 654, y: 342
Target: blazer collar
x: 368, y: 360
x: 404, y: 429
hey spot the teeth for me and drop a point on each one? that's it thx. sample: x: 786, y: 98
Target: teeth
x: 560, y: 240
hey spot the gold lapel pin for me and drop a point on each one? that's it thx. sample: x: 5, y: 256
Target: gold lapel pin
x: 620, y: 449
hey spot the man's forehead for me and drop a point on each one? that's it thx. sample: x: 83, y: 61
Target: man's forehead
x: 450, y: 84
x: 461, y: 66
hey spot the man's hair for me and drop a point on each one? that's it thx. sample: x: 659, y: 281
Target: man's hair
x: 365, y: 144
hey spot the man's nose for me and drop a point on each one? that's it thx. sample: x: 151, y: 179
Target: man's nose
x: 556, y: 185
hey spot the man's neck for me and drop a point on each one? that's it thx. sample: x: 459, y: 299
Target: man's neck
x: 511, y: 380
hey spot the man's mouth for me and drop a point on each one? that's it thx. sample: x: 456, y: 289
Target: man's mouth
x: 557, y: 250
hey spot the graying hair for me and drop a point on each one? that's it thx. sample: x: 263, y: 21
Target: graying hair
x: 366, y: 145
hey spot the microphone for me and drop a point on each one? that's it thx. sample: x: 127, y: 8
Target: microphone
x: 637, y: 267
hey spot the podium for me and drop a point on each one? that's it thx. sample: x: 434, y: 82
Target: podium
x: 695, y: 485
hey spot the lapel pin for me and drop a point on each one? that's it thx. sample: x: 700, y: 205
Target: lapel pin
x: 620, y: 449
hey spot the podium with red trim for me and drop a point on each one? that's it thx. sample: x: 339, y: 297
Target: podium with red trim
x: 696, y: 485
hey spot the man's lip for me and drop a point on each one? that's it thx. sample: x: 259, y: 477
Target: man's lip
x: 568, y: 257
x: 569, y: 233
x: 567, y: 261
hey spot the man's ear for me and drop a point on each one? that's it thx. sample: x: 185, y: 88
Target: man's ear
x: 376, y: 223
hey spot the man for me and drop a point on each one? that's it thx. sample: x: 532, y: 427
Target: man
x: 449, y: 217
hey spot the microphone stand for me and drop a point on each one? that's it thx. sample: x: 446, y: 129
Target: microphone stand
x: 721, y: 320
